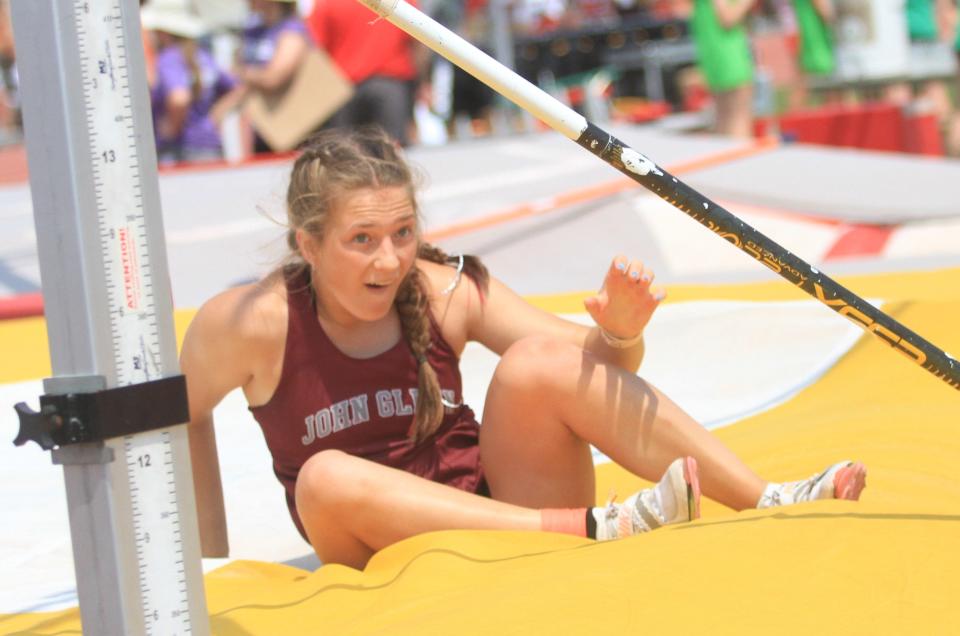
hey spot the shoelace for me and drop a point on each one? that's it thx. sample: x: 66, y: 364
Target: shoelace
x: 643, y: 514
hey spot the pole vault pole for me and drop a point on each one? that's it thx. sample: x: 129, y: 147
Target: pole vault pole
x: 645, y: 172
x: 114, y: 411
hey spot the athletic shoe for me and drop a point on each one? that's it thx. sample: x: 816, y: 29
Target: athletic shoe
x: 675, y: 499
x: 844, y: 480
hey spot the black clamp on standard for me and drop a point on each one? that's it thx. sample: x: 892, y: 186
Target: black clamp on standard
x: 74, y: 418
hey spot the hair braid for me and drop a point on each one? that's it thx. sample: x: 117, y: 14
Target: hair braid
x: 301, y: 176
x: 412, y: 307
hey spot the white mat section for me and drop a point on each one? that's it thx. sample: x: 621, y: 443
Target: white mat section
x: 721, y: 361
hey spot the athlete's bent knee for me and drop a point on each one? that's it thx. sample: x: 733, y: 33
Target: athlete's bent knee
x: 322, y: 480
x: 535, y: 360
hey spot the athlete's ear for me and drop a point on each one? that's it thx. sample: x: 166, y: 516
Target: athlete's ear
x: 308, y: 245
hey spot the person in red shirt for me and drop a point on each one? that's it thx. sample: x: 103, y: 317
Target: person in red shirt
x: 381, y: 60
x: 348, y: 358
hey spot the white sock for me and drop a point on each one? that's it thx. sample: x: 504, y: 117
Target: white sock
x: 604, y: 527
x: 771, y: 496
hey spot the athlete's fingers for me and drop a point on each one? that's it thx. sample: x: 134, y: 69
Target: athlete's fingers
x: 646, y: 276
x: 637, y: 273
x: 619, y: 264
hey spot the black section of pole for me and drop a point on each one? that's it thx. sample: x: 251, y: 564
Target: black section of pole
x: 772, y: 255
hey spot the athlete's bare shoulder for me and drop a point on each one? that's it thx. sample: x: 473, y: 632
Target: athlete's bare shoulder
x: 253, y: 310
x: 246, y: 320
x: 453, y: 295
x: 437, y: 275
x: 235, y: 340
x: 445, y: 282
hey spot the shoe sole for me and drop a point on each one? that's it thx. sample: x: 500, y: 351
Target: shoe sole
x: 692, y: 477
x: 849, y: 482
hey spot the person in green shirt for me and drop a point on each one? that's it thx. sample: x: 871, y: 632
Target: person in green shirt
x: 921, y: 20
x: 723, y: 55
x: 814, y: 27
x: 814, y: 18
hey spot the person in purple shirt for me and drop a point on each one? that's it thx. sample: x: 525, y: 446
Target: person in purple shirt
x: 275, y: 42
x: 188, y: 86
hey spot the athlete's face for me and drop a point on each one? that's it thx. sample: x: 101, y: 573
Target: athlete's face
x: 368, y: 247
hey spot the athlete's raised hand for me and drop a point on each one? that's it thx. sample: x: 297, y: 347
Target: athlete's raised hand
x: 627, y: 299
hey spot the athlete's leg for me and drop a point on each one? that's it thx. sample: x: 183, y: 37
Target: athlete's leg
x: 351, y: 507
x: 549, y: 398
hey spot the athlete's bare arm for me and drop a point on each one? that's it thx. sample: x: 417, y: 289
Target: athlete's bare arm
x: 231, y: 343
x: 623, y: 306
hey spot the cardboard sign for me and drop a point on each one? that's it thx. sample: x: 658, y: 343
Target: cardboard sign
x: 287, y: 117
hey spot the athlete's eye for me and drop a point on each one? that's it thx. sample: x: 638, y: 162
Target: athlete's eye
x: 362, y: 238
x: 405, y: 232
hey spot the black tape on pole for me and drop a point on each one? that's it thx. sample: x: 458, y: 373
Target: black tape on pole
x: 798, y: 272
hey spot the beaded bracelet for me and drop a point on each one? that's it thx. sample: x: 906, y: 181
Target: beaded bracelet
x: 620, y: 343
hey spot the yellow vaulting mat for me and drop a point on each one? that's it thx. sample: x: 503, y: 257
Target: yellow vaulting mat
x: 887, y: 564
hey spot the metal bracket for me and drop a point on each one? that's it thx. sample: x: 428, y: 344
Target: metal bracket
x: 74, y: 418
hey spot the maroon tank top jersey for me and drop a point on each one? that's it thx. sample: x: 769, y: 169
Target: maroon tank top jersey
x: 328, y: 400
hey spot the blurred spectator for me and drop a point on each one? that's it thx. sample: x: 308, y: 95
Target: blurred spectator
x: 459, y: 98
x: 930, y: 63
x: 723, y: 55
x: 585, y: 13
x: 10, y: 122
x: 275, y: 42
x: 380, y: 60
x: 815, y: 19
x: 187, y: 85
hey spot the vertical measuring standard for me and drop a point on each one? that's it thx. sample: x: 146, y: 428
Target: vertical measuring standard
x: 109, y: 311
x: 117, y: 177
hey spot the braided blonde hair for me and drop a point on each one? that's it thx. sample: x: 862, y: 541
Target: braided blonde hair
x: 338, y: 161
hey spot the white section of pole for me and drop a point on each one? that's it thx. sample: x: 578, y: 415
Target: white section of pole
x: 558, y: 116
